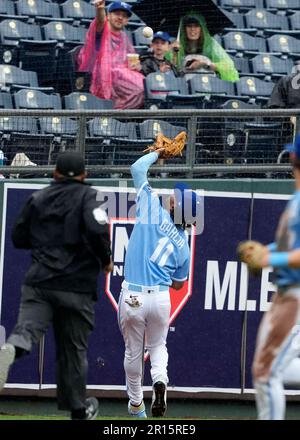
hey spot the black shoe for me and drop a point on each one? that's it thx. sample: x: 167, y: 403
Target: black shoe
x: 159, y: 400
x: 92, y: 408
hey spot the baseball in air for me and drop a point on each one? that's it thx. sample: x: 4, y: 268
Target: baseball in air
x: 148, y: 32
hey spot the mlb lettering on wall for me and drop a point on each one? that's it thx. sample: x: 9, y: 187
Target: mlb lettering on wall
x: 214, y: 317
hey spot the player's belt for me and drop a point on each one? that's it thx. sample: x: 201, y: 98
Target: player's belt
x: 145, y: 289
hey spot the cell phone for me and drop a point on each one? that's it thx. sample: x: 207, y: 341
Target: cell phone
x: 189, y: 62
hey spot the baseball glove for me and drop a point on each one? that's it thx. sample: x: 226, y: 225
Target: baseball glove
x: 252, y: 252
x: 172, y: 147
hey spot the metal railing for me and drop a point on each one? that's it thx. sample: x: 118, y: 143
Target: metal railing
x: 220, y: 142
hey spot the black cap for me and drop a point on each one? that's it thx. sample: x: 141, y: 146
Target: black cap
x: 70, y: 164
x: 187, y: 20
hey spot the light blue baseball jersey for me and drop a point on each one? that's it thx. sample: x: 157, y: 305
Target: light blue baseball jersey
x: 288, y: 239
x: 158, y: 251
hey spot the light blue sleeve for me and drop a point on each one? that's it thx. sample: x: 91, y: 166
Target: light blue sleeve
x: 140, y: 169
x: 272, y: 247
x: 181, y: 274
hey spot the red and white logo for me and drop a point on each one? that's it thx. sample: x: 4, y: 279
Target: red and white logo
x: 120, y: 231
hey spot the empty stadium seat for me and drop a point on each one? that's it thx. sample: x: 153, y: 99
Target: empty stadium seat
x: 39, y: 10
x: 6, y: 100
x: 150, y: 128
x: 86, y: 101
x: 284, y: 44
x: 7, y: 7
x: 237, y: 20
x: 295, y: 21
x: 235, y: 104
x: 112, y: 142
x: 78, y: 10
x: 12, y: 31
x: 34, y: 99
x: 242, y: 65
x: 282, y: 4
x: 269, y: 66
x: 238, y: 5
x: 160, y: 85
x: 262, y: 19
x: 241, y: 44
x: 72, y: 80
x: 13, y: 76
x: 140, y: 42
x: 255, y: 88
x: 213, y: 90
x: 64, y: 32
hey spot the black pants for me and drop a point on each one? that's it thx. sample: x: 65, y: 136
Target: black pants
x: 72, y: 316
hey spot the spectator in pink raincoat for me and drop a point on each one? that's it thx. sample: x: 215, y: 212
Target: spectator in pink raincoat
x: 104, y: 54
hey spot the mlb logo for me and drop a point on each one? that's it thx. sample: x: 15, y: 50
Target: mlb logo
x: 120, y: 231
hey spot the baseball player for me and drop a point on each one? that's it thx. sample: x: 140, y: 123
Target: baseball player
x: 157, y: 258
x: 277, y: 347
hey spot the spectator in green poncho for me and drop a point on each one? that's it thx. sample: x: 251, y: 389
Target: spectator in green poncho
x: 197, y: 50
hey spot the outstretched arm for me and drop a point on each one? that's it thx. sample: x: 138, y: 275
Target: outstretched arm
x: 100, y: 14
x: 140, y: 169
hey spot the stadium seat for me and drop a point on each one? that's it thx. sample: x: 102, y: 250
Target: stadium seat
x: 213, y: 90
x: 112, y: 142
x: 284, y: 44
x: 6, y: 100
x: 242, y: 65
x: 237, y: 20
x: 13, y: 76
x: 295, y: 21
x: 39, y: 10
x: 254, y: 88
x: 72, y: 80
x: 235, y: 104
x: 238, y: 5
x: 158, y: 86
x: 86, y: 101
x: 20, y: 135
x: 261, y: 19
x: 78, y: 10
x: 282, y: 4
x: 64, y: 32
x: 150, y: 128
x: 268, y: 66
x: 12, y: 31
x: 39, y: 56
x: 34, y: 99
x: 63, y: 130
x: 241, y: 44
x: 7, y: 7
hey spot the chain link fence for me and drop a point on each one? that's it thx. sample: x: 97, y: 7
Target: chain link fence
x: 220, y: 143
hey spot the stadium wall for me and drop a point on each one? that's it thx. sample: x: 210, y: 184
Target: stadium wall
x: 214, y: 317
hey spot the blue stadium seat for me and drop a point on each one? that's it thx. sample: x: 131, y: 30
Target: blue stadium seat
x: 38, y: 10
x: 139, y: 41
x: 112, y: 142
x: 7, y: 8
x: 6, y: 100
x: 13, y: 76
x: 78, y: 10
x: 150, y: 128
x: 238, y: 5
x: 261, y: 19
x: 269, y: 67
x: 34, y: 99
x: 285, y: 45
x: 211, y: 90
x: 254, y: 88
x: 242, y: 65
x: 64, y: 32
x: 241, y: 44
x: 236, y: 104
x: 159, y: 86
x: 86, y: 101
x: 74, y: 81
x: 282, y: 4
x: 295, y: 21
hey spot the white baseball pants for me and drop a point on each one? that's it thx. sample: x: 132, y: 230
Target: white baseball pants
x: 277, y: 348
x: 144, y: 323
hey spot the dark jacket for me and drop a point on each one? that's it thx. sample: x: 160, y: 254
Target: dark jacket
x: 68, y: 245
x: 285, y: 94
x: 151, y: 64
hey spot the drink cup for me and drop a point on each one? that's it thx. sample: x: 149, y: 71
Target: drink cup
x: 132, y: 60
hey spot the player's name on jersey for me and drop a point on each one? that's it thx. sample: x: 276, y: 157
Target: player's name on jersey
x: 172, y: 232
